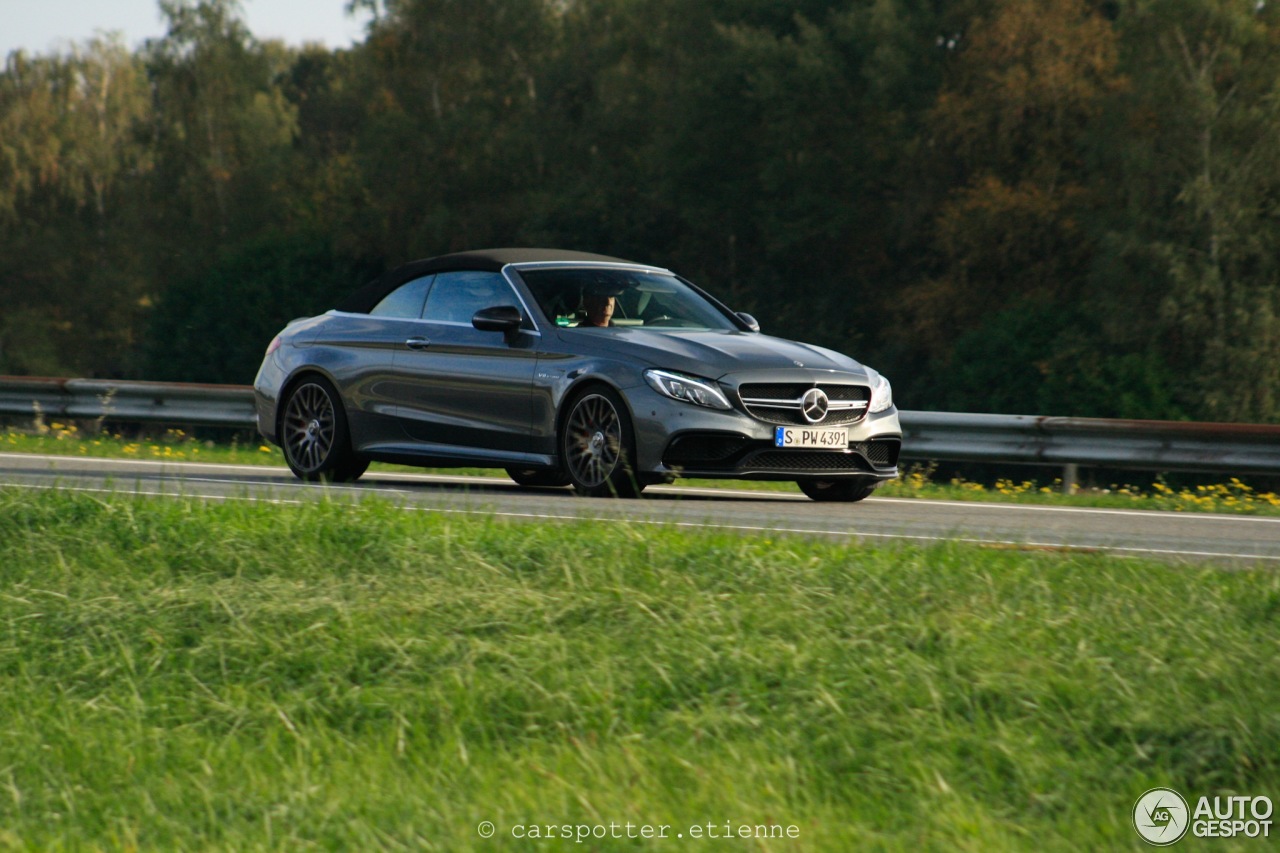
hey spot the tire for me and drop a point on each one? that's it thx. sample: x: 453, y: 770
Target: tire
x: 597, y: 445
x: 835, y: 490
x: 538, y: 477
x: 315, y: 436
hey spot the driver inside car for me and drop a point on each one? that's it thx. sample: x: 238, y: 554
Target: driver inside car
x: 598, y: 303
x: 599, y: 308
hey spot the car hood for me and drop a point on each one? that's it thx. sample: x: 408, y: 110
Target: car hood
x: 708, y: 353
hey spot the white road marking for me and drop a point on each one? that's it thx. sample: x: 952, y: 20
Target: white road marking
x: 1084, y: 510
x: 665, y: 489
x: 49, y: 457
x: 850, y: 534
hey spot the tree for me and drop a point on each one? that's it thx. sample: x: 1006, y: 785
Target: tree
x: 224, y: 314
x: 1205, y: 175
x: 1010, y: 132
x: 224, y: 131
x: 71, y: 157
x: 449, y: 142
x: 1028, y: 82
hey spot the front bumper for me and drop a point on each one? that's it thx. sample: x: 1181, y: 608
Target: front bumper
x: 683, y: 440
x: 711, y: 455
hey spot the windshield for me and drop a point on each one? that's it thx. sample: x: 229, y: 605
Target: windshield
x: 581, y: 298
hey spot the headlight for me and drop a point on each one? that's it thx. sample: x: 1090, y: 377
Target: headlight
x: 881, y: 392
x: 687, y: 389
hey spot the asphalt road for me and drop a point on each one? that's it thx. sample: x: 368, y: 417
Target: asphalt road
x: 1180, y: 537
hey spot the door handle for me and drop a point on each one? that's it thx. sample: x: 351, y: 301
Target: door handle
x: 417, y: 343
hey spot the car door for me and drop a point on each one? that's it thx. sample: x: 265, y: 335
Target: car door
x: 464, y: 388
x: 359, y: 352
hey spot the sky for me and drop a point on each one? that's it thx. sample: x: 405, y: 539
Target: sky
x: 41, y: 26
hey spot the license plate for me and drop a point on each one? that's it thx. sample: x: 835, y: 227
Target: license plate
x: 821, y: 439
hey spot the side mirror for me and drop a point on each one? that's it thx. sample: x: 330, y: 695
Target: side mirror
x: 500, y: 318
x: 752, y: 323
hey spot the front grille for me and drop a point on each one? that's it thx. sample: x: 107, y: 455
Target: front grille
x: 793, y: 390
x: 783, y: 402
x: 728, y: 452
x: 801, y: 460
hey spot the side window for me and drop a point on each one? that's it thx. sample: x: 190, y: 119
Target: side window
x: 457, y: 296
x: 405, y: 301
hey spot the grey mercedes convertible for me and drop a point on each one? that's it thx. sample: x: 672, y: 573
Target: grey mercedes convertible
x: 569, y: 369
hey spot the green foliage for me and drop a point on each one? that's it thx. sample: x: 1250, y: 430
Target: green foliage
x: 896, y: 178
x: 71, y: 282
x: 223, y: 130
x: 176, y: 675
x: 1038, y: 359
x: 1207, y: 119
x: 214, y: 322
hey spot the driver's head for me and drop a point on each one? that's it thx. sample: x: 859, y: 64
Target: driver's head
x: 599, y: 308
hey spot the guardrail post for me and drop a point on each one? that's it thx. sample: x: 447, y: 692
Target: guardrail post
x: 1070, y: 478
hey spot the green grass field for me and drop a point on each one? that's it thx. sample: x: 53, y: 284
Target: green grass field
x: 180, y: 675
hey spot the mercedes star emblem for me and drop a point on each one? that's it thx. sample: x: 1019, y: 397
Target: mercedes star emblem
x: 813, y: 405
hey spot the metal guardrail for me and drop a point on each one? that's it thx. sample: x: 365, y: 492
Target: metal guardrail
x: 1099, y: 442
x: 1069, y: 443
x: 178, y: 403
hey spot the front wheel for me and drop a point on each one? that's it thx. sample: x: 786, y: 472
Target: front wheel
x: 597, y: 446
x: 835, y: 490
x: 314, y: 434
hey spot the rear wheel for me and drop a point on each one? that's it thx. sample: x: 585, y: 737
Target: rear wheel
x: 314, y: 434
x: 597, y: 446
x: 537, y: 477
x: 835, y: 490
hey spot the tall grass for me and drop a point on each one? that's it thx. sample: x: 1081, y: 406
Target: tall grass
x: 239, y: 676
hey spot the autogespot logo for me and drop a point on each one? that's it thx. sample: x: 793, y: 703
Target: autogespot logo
x: 1161, y: 816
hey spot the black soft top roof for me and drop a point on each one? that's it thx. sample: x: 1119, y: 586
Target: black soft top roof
x: 488, y: 260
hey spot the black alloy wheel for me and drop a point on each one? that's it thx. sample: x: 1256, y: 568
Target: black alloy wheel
x: 538, y: 477
x: 314, y: 434
x: 597, y: 446
x: 835, y: 490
